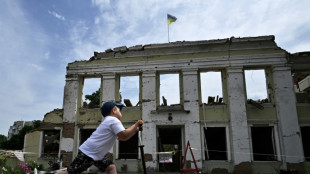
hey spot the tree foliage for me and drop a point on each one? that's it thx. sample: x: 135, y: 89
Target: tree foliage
x: 3, y: 138
x: 94, y: 100
x: 17, y: 141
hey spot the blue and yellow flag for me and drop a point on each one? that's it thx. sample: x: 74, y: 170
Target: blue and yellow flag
x: 171, y: 19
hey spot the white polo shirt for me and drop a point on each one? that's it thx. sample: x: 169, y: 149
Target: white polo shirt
x: 103, y: 138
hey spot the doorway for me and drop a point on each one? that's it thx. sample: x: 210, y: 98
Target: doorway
x: 169, y: 141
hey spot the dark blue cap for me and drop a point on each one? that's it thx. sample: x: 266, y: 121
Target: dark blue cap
x: 108, y: 106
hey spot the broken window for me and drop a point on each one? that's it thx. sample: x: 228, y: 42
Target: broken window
x: 215, y: 143
x: 85, y: 134
x: 91, y: 92
x: 263, y: 143
x: 128, y: 149
x: 129, y: 90
x: 305, y: 134
x: 302, y: 87
x: 169, y: 139
x: 169, y: 89
x: 211, y: 87
x: 50, y: 144
x: 256, y: 86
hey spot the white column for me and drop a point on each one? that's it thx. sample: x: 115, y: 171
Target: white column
x: 149, y: 104
x: 192, y: 127
x: 190, y: 91
x: 108, y: 87
x: 70, y: 107
x: 70, y: 99
x: 289, y: 130
x: 238, y: 118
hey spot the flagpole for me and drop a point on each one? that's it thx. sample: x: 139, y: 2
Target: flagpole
x: 170, y: 19
x: 168, y: 33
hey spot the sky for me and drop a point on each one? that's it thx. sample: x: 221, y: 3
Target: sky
x: 38, y: 38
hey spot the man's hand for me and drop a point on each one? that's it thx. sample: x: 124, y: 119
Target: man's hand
x: 129, y: 132
x: 140, y: 125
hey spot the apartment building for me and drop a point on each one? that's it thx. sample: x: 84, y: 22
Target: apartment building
x: 17, y: 126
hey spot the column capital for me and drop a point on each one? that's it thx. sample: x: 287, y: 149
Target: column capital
x: 72, y: 77
x: 108, y: 76
x: 193, y: 71
x: 236, y: 69
x: 149, y: 74
x: 280, y: 68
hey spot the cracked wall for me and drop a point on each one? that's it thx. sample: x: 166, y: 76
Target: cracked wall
x: 229, y: 56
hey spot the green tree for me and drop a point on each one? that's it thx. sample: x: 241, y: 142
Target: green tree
x: 16, y: 142
x: 3, y: 139
x: 94, y: 99
x: 36, y: 123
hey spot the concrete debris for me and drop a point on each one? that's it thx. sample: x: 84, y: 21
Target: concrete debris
x: 127, y: 103
x: 164, y: 101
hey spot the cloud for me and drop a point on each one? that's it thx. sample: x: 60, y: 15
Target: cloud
x: 128, y: 23
x: 129, y: 88
x: 117, y: 24
x: 37, y: 67
x: 47, y: 55
x: 24, y: 47
x: 170, y: 88
x: 211, y: 85
x: 58, y: 16
x: 29, y: 46
x: 256, y: 87
x: 125, y: 23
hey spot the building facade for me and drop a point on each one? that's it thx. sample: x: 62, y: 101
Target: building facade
x: 17, y: 126
x: 229, y: 132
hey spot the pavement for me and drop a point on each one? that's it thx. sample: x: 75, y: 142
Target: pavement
x: 158, y: 173
x: 153, y: 173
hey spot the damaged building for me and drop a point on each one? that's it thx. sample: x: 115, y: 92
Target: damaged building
x: 230, y: 132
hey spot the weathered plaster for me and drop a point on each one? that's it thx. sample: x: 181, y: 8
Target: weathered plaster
x: 268, y: 113
x: 214, y: 112
x: 149, y: 104
x: 287, y: 115
x: 238, y: 118
x: 70, y: 99
x: 303, y: 111
x: 66, y: 144
x: 230, y: 56
x: 32, y: 144
x: 89, y: 116
x: 67, y: 138
x: 56, y: 116
x: 108, y: 87
x: 131, y: 113
x: 191, y: 103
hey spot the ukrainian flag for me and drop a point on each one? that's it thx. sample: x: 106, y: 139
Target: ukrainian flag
x: 171, y: 19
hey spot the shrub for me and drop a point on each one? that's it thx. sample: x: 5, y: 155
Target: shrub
x: 2, y: 160
x: 23, y: 167
x: 33, y: 165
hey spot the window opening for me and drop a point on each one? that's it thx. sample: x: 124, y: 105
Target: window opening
x: 129, y: 90
x: 256, y: 86
x: 211, y: 87
x: 305, y: 134
x: 263, y: 143
x: 302, y: 87
x: 85, y: 134
x: 169, y: 89
x: 215, y: 143
x: 50, y: 143
x: 128, y: 149
x: 169, y: 148
x: 91, y: 93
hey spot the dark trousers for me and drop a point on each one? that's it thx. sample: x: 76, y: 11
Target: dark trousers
x: 82, y: 162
